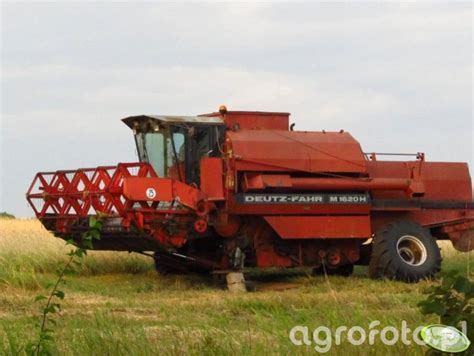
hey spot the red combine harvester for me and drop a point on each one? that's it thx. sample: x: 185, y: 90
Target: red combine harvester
x: 234, y: 189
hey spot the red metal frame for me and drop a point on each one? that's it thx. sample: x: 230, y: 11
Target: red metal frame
x: 86, y: 191
x: 260, y: 155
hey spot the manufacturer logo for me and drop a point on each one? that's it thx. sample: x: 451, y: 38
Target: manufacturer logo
x: 150, y: 193
x: 303, y: 198
x: 445, y: 338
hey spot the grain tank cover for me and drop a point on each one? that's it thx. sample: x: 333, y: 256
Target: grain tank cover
x: 275, y: 150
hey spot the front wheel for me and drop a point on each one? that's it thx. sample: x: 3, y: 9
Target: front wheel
x: 165, y: 265
x: 344, y: 271
x: 404, y: 251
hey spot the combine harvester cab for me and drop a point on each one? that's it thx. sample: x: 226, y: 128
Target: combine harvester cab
x: 234, y: 189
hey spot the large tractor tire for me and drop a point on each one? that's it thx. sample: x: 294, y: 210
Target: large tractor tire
x: 404, y: 251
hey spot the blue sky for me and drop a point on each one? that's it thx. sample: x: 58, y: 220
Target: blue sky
x: 397, y: 76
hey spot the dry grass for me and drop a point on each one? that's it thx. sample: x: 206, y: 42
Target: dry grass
x: 27, y: 245
x: 116, y: 304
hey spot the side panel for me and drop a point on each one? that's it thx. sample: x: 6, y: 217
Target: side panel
x: 212, y: 176
x: 161, y: 190
x: 429, y: 218
x: 442, y: 180
x: 310, y: 152
x: 320, y: 227
x: 148, y: 189
x: 315, y: 203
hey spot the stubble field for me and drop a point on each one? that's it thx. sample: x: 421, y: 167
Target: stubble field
x: 116, y: 304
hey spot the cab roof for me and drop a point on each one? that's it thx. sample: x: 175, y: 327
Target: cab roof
x: 132, y: 121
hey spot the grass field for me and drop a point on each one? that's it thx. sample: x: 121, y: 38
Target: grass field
x: 117, y: 305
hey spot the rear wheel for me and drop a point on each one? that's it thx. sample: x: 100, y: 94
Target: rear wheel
x: 404, y: 251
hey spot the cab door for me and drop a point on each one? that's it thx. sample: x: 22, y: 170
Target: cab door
x: 201, y: 141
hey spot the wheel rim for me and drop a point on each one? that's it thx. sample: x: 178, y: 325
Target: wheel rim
x: 411, y: 250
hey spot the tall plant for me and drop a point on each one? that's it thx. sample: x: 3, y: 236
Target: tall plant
x: 44, y: 341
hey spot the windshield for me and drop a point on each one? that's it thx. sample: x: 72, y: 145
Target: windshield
x: 163, y: 149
